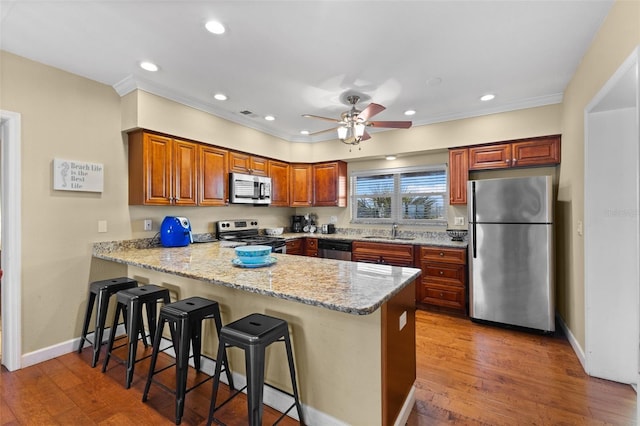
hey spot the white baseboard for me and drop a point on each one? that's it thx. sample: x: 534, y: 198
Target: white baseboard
x: 405, y: 411
x: 574, y: 343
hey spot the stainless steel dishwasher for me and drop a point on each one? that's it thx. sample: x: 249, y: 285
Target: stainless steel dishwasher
x: 334, y: 249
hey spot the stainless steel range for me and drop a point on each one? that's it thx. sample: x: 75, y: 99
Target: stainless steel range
x: 232, y: 233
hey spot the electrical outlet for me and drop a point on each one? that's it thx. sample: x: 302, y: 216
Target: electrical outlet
x: 147, y: 225
x: 459, y: 220
x: 403, y: 320
x: 102, y: 226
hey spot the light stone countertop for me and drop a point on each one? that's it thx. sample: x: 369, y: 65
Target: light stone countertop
x: 350, y: 287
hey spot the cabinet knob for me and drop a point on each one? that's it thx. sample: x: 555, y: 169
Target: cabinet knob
x: 507, y: 161
x: 441, y: 272
x: 441, y: 254
x: 515, y: 160
x: 441, y: 294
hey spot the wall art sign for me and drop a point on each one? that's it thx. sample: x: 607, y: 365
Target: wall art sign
x: 70, y: 175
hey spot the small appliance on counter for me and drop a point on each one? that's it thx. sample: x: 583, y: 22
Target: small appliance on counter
x: 175, y: 232
x: 297, y: 223
x: 328, y: 228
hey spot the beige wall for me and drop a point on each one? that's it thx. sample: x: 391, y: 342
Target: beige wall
x: 70, y: 117
x: 618, y: 36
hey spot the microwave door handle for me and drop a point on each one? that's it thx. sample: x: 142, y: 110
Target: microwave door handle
x: 261, y: 190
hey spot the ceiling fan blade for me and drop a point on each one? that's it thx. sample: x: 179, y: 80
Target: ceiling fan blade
x: 391, y: 124
x: 370, y: 111
x: 365, y: 136
x: 324, y: 131
x: 322, y: 118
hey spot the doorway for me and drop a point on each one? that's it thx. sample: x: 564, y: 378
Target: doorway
x: 612, y: 227
x: 10, y: 202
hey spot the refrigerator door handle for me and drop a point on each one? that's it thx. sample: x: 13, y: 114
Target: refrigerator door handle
x: 473, y: 221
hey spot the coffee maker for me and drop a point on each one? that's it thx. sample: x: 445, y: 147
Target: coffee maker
x: 297, y: 223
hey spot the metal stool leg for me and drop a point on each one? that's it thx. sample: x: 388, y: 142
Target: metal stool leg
x: 112, y: 337
x: 154, y: 358
x: 254, y: 362
x: 292, y: 371
x: 101, y: 317
x: 182, y: 365
x: 87, y: 319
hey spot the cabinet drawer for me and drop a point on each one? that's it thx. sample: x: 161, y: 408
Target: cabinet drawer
x: 294, y: 247
x: 444, y: 255
x: 443, y: 272
x: 311, y: 247
x: 443, y: 296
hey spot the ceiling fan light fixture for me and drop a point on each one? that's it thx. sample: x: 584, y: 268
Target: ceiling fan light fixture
x: 215, y: 27
x: 342, y: 133
x: 358, y: 131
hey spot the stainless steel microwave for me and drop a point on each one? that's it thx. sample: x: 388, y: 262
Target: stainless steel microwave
x: 249, y: 189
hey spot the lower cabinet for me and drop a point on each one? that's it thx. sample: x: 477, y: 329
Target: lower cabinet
x: 444, y: 278
x: 311, y: 247
x: 295, y: 247
x: 383, y: 253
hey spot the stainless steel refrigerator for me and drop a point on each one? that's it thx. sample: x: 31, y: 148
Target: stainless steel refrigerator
x: 511, y: 252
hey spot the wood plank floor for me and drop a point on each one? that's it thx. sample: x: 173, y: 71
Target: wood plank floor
x: 467, y: 374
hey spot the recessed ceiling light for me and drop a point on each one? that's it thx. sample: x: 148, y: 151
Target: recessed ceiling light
x: 215, y: 27
x: 487, y: 97
x: 390, y: 157
x: 269, y: 117
x: 220, y: 96
x: 149, y: 66
x: 410, y: 112
x: 304, y: 132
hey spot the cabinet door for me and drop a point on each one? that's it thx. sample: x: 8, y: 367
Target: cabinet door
x: 300, y: 185
x: 536, y: 152
x: 330, y: 184
x: 279, y: 173
x: 294, y: 247
x: 458, y: 175
x: 185, y: 172
x: 214, y: 178
x: 311, y: 247
x: 496, y: 156
x: 158, y: 168
x: 240, y: 162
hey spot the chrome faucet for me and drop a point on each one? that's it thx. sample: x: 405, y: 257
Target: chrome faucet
x: 394, y: 230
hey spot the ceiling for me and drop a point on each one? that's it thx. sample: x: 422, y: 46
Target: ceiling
x: 288, y: 58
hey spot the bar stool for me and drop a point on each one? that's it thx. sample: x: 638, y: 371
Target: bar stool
x: 130, y: 304
x: 102, y: 290
x: 253, y: 334
x: 185, y: 317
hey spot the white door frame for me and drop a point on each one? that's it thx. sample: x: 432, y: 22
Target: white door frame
x: 616, y: 97
x: 10, y: 128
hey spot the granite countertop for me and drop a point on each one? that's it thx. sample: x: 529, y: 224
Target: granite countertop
x: 439, y: 239
x: 350, y: 287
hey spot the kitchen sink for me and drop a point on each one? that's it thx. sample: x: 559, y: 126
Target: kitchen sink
x: 376, y: 237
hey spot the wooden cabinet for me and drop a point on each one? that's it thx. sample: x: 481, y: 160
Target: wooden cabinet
x: 490, y: 157
x: 295, y: 247
x: 330, y: 184
x: 382, y: 253
x: 458, y: 175
x: 311, y: 247
x: 542, y: 151
x: 532, y: 152
x: 301, y: 185
x: 444, y: 277
x: 162, y: 170
x: 240, y: 162
x: 213, y: 176
x: 279, y: 173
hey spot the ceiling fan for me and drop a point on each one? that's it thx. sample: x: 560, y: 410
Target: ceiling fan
x: 353, y: 123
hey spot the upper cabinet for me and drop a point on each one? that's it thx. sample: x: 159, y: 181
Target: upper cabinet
x: 162, y: 170
x: 543, y: 151
x: 458, y: 175
x: 279, y: 173
x: 532, y: 152
x: 213, y: 187
x: 301, y: 185
x: 330, y: 184
x: 249, y: 164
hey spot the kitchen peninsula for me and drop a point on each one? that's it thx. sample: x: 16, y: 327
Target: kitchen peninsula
x: 352, y: 324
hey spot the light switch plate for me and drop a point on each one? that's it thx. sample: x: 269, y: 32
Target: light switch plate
x: 102, y: 226
x: 147, y: 224
x: 459, y: 221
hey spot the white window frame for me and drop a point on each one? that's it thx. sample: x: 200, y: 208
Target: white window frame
x: 396, y: 197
